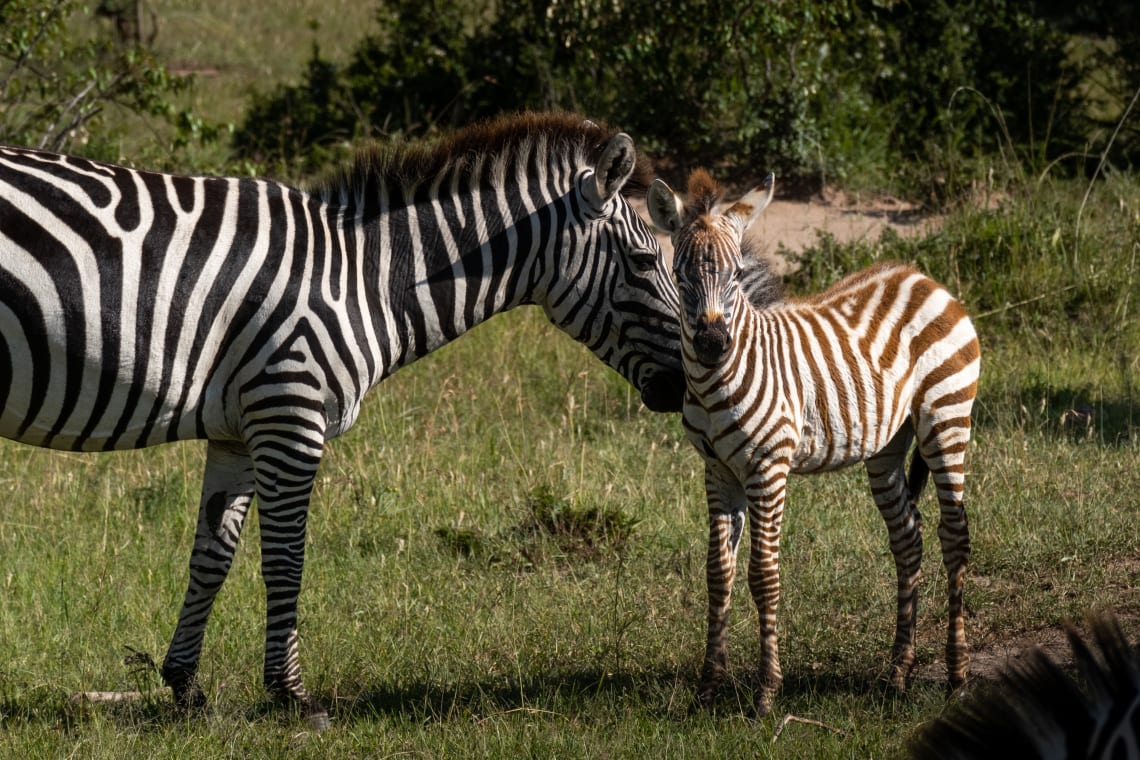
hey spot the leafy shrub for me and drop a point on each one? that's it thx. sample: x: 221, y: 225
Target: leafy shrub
x: 55, y: 86
x: 815, y: 89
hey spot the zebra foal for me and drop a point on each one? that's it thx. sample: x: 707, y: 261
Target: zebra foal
x: 139, y: 308
x: 855, y: 374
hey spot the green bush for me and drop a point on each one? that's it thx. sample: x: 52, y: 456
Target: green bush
x: 863, y: 91
x: 56, y: 86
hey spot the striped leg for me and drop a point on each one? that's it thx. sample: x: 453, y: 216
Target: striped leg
x: 726, y: 523
x: 284, y: 484
x: 943, y: 446
x: 766, y: 494
x: 227, y: 491
x: 954, y: 536
x: 887, y: 473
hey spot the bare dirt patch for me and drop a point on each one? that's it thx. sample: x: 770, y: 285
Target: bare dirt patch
x: 993, y: 654
x: 797, y: 224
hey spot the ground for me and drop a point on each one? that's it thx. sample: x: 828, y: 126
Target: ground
x: 796, y: 224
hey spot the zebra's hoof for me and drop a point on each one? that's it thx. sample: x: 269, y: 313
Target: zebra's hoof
x: 763, y: 704
x: 899, y: 678
x: 317, y: 716
x: 187, y: 694
x: 706, y: 694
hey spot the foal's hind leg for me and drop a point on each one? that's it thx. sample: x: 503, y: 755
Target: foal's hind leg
x: 947, y: 467
x: 887, y: 473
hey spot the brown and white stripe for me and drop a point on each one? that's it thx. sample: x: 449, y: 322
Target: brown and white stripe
x: 858, y: 373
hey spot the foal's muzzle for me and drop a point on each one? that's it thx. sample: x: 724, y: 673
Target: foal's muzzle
x: 711, y: 340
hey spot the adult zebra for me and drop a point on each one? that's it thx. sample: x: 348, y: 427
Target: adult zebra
x: 139, y: 308
x: 855, y: 374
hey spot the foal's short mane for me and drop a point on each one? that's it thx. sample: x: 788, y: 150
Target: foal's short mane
x: 410, y: 163
x: 703, y: 193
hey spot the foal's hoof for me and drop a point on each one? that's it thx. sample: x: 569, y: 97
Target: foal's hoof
x: 316, y: 715
x: 762, y: 705
x: 706, y: 695
x: 899, y: 678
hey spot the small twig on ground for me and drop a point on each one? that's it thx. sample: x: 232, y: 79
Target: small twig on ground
x: 530, y: 710
x: 113, y: 696
x: 789, y: 718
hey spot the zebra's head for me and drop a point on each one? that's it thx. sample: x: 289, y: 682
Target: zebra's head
x: 707, y: 258
x: 611, y: 288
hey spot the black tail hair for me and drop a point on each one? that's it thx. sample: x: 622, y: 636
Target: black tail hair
x: 917, y: 477
x: 1037, y: 710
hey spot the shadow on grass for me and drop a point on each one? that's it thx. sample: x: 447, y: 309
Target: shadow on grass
x: 1068, y: 413
x: 666, y: 693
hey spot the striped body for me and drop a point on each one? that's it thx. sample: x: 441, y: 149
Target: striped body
x: 828, y: 382
x: 885, y: 357
x: 139, y: 308
x: 1038, y: 710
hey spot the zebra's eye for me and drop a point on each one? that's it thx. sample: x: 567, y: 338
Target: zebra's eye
x: 643, y: 259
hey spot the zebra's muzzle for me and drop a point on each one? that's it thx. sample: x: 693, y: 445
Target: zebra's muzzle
x: 711, y: 341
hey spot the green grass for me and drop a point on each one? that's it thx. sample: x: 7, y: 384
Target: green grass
x: 542, y: 646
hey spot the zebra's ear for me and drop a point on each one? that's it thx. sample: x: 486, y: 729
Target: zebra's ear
x: 617, y: 162
x: 748, y: 209
x: 665, y: 208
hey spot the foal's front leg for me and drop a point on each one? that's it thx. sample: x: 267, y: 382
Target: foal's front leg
x: 726, y: 523
x: 766, y: 490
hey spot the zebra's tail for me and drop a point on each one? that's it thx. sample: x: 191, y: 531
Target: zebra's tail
x: 1036, y: 709
x: 917, y: 477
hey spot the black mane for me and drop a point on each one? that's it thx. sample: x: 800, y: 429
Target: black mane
x: 761, y: 285
x: 412, y: 163
x: 1038, y: 710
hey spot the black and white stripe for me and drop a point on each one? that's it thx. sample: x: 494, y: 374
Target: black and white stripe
x: 139, y: 308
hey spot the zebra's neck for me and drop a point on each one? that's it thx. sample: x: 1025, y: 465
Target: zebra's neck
x: 440, y: 258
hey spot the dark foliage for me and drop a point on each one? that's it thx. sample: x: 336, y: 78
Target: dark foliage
x: 812, y: 89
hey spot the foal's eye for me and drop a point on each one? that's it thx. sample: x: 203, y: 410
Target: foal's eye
x: 643, y: 259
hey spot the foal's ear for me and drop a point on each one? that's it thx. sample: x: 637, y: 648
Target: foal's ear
x: 747, y: 210
x: 614, y: 167
x: 665, y: 208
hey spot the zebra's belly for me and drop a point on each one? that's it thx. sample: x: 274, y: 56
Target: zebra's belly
x: 91, y: 410
x: 820, y: 451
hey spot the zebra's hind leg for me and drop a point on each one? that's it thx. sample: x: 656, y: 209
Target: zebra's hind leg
x: 886, y: 471
x: 227, y: 491
x: 954, y: 537
x: 942, y: 443
x: 726, y: 524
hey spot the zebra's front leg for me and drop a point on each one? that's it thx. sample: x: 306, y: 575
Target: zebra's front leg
x: 726, y: 523
x: 766, y: 493
x: 284, y: 486
x: 887, y: 474
x: 227, y: 491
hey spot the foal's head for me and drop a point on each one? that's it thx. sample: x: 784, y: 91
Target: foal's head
x: 708, y: 261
